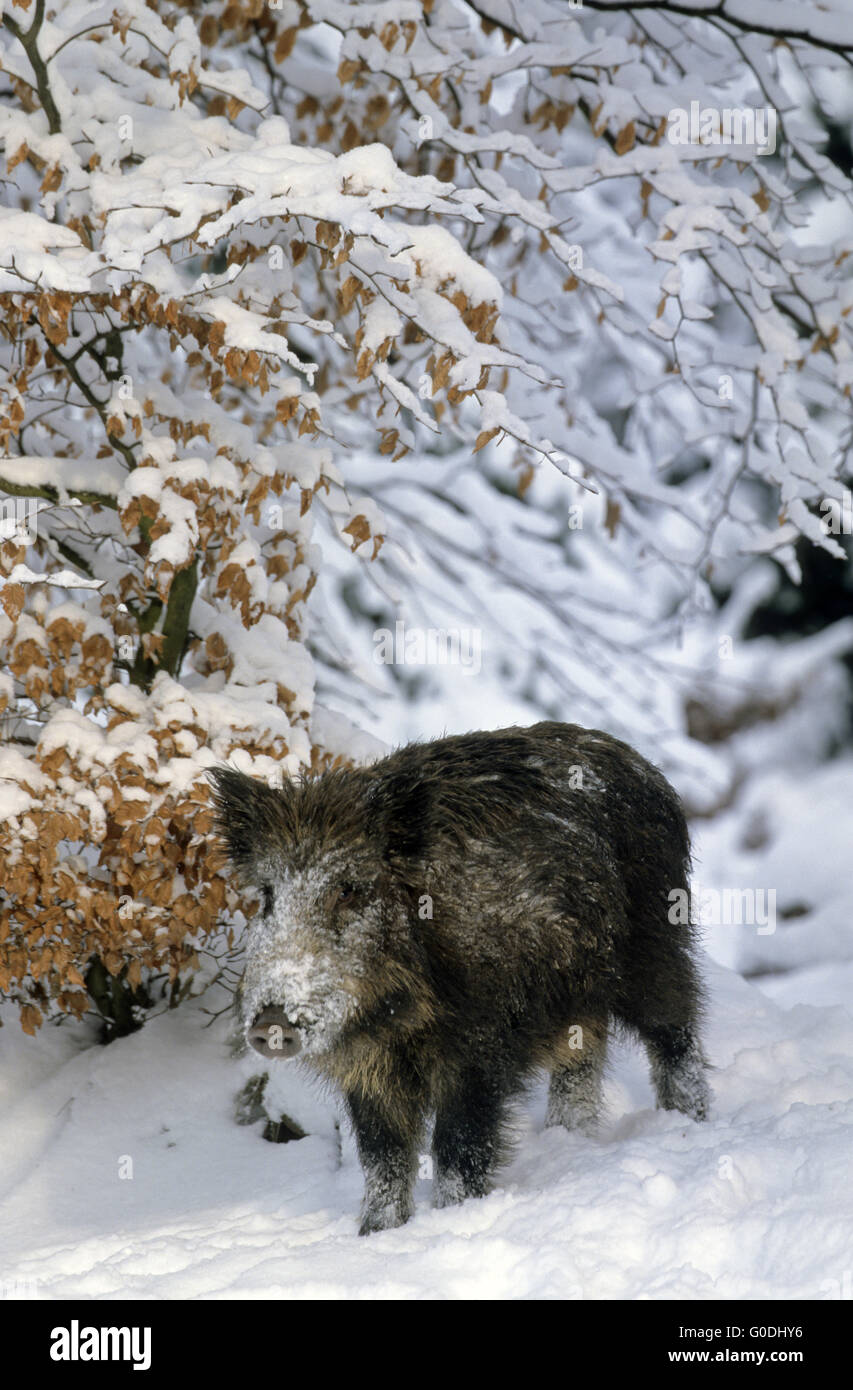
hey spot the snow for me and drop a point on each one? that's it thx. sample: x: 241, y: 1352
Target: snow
x: 59, y: 579
x: 17, y: 774
x: 790, y: 831
x: 33, y: 251
x: 755, y: 1203
x: 65, y: 474
x: 440, y: 257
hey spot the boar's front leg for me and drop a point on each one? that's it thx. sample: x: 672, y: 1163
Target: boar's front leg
x: 468, y: 1138
x: 387, y: 1139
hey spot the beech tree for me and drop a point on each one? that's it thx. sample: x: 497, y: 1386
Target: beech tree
x: 535, y: 307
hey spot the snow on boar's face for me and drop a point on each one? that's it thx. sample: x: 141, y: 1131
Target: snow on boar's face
x: 331, y: 958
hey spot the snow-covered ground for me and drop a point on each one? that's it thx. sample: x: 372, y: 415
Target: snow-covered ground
x: 756, y: 1203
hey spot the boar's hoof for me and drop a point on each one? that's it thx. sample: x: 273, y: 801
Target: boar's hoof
x: 385, y: 1218
x: 273, y: 1035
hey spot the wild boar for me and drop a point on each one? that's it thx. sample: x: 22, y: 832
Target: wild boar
x: 440, y: 925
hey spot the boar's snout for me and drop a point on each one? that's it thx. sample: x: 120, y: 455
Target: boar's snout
x: 273, y: 1035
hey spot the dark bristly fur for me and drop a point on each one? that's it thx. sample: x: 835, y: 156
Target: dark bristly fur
x: 441, y: 924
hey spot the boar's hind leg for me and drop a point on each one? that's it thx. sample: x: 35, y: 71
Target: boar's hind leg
x: 467, y: 1140
x: 667, y: 1019
x: 678, y: 1070
x: 387, y: 1146
x: 664, y: 1004
x: 574, y: 1095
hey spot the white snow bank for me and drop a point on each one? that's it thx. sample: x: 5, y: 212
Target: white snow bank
x: 756, y: 1203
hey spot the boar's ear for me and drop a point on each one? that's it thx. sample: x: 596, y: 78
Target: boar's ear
x: 249, y: 815
x: 404, y: 806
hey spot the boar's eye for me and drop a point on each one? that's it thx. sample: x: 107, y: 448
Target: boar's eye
x: 347, y: 895
x: 266, y: 898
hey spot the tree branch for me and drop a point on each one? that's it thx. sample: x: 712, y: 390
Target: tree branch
x: 719, y: 9
x: 52, y: 494
x: 28, y: 39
